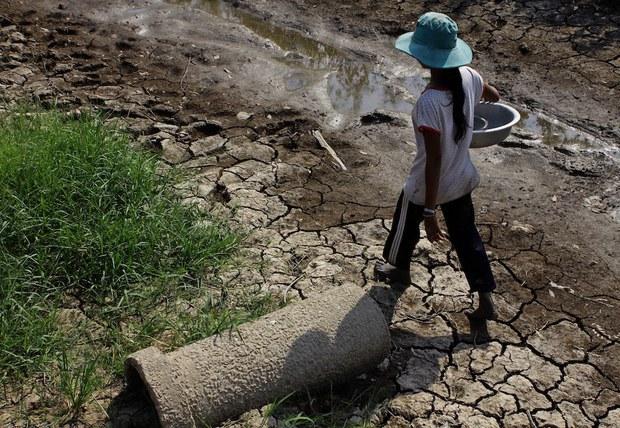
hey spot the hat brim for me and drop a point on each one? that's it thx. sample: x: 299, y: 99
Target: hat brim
x: 460, y: 55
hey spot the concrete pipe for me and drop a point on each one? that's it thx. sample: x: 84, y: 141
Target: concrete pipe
x: 331, y: 337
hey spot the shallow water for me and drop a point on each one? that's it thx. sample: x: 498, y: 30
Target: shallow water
x: 358, y: 86
x: 354, y: 87
x: 557, y: 134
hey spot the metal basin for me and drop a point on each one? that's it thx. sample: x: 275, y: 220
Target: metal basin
x: 492, y: 123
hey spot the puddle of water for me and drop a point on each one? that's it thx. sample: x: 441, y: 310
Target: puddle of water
x: 353, y: 87
x: 557, y: 134
x: 356, y: 87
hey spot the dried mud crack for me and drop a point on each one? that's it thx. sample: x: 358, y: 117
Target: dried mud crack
x: 547, y: 219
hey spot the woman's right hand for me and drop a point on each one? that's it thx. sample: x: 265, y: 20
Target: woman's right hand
x: 433, y: 232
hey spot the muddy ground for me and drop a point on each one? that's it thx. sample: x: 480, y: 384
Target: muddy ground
x: 217, y: 89
x: 561, y: 56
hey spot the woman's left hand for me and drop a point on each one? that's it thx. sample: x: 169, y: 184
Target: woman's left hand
x: 433, y: 232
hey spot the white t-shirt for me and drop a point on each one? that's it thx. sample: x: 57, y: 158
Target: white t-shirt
x: 433, y: 109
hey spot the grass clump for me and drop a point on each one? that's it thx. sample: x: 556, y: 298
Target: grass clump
x: 81, y: 210
x: 359, y: 404
x: 89, y: 225
x: 78, y: 382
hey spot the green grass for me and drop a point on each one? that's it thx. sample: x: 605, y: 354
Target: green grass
x: 90, y: 226
x: 81, y: 210
x: 350, y: 406
x: 78, y: 382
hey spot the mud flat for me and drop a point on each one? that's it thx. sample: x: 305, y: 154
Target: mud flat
x: 234, y: 102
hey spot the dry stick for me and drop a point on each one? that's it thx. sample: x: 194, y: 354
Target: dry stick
x: 101, y: 407
x: 531, y: 419
x: 189, y: 59
x: 296, y: 280
x: 319, y: 137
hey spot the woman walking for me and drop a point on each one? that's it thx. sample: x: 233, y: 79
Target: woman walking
x: 442, y: 173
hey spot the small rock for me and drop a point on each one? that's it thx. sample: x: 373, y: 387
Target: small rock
x: 23, y: 71
x: 108, y: 92
x: 91, y: 67
x: 80, y: 79
x: 595, y: 204
x: 17, y: 37
x: 12, y: 77
x: 164, y: 110
x: 242, y: 115
x: 208, y: 145
x: 138, y: 126
x: 166, y: 127
x: 522, y: 227
x: 62, y: 68
x: 15, y: 76
x: 157, y: 138
x: 524, y: 49
x: 43, y: 93
x: 171, y: 152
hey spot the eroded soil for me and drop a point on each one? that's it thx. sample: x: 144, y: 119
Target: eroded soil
x: 211, y: 96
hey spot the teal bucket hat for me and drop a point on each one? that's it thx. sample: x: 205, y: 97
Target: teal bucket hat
x: 435, y: 43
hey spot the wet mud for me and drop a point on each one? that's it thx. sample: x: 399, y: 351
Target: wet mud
x: 560, y: 57
x: 232, y: 93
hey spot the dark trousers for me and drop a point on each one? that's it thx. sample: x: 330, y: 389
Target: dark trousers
x: 459, y: 216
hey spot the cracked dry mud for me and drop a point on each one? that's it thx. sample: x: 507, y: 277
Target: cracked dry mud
x: 548, y: 218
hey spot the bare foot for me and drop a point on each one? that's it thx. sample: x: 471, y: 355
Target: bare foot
x: 478, y: 332
x: 390, y: 274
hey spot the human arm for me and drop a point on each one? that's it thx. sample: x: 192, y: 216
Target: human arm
x: 432, y: 171
x: 482, y: 90
x: 489, y: 93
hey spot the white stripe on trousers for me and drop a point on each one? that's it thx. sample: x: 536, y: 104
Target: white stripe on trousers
x: 398, y: 237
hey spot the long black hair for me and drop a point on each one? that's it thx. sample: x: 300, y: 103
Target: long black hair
x: 451, y: 78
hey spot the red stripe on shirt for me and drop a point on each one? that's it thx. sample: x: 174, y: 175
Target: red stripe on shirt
x: 427, y: 129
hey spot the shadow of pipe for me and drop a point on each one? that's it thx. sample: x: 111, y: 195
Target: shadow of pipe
x: 133, y: 409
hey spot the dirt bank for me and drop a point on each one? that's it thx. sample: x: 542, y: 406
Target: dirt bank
x: 216, y: 98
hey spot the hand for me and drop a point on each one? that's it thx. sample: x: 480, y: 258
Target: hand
x: 433, y: 232
x: 489, y: 93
